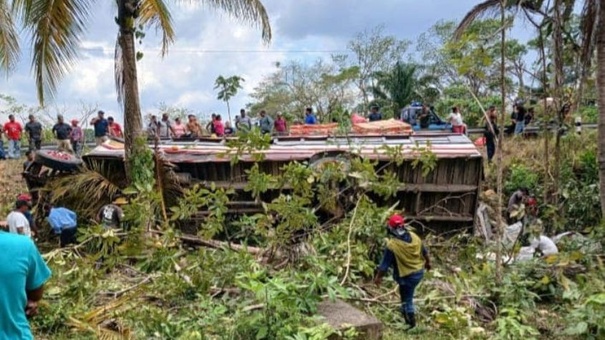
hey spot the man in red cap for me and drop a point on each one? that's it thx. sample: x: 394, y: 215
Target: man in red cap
x: 409, y: 258
x: 28, y: 214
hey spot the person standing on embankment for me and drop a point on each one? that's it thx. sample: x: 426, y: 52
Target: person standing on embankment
x: 409, y: 258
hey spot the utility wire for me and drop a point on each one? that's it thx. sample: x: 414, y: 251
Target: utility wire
x: 170, y: 51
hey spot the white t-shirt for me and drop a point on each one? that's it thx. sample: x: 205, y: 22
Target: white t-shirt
x: 17, y: 220
x: 456, y: 118
x: 545, y: 245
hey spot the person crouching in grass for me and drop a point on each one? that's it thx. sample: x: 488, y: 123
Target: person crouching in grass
x: 409, y: 258
x: 64, y: 223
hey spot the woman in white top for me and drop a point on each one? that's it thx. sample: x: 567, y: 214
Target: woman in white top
x: 455, y: 118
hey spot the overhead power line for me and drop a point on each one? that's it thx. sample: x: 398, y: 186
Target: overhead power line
x: 195, y: 51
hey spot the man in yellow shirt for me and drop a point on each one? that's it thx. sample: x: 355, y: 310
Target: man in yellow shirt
x: 409, y: 258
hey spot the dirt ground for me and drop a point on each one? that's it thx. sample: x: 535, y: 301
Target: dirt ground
x: 11, y: 185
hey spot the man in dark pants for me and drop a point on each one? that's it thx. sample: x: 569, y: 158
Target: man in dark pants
x: 490, y: 136
x: 34, y: 133
x: 409, y: 258
x: 64, y: 223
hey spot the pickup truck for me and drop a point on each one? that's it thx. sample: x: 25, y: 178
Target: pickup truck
x: 435, y: 122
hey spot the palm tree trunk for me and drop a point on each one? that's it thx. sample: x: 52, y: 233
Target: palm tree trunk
x: 558, y: 85
x: 601, y: 100
x: 132, y: 105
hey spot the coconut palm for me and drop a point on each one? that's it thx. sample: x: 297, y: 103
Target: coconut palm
x: 57, y: 27
x: 396, y: 85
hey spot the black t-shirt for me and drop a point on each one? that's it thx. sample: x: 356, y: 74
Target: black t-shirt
x: 110, y: 216
x: 34, y: 130
x: 520, y: 117
x: 425, y: 120
x: 489, y: 136
x: 62, y: 130
x: 375, y: 116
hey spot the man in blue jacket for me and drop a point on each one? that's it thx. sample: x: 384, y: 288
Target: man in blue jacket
x: 64, y: 223
x: 409, y: 258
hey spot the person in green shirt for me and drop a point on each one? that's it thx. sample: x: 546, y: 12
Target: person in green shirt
x: 408, y: 257
x: 23, y: 274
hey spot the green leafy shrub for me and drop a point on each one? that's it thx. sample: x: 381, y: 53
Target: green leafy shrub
x: 521, y: 176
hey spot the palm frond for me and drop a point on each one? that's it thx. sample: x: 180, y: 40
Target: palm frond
x: 118, y: 71
x: 489, y: 7
x: 56, y: 27
x: 9, y: 39
x: 155, y: 13
x: 88, y: 190
x: 481, y: 9
x: 250, y: 11
x: 22, y: 9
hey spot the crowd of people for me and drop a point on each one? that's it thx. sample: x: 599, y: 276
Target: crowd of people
x: 165, y: 128
x: 69, y: 137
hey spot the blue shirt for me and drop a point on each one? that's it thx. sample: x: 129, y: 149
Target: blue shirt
x: 62, y: 218
x: 101, y: 127
x: 389, y: 260
x: 310, y: 119
x: 21, y: 269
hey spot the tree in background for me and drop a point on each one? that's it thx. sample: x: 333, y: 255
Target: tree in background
x: 396, y: 86
x: 326, y: 86
x: 57, y: 27
x: 227, y: 89
x: 373, y: 52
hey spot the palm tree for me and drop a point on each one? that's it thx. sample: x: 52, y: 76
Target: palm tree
x: 57, y: 27
x: 228, y: 88
x: 396, y: 85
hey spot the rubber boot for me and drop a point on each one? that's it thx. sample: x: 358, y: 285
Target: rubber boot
x: 406, y: 318
x: 411, y: 320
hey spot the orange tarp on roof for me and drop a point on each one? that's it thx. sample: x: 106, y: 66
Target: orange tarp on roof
x: 390, y: 126
x: 313, y: 129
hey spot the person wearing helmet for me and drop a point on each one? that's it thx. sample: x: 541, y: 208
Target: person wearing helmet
x: 409, y: 258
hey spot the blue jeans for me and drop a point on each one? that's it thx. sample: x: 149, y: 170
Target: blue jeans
x: 2, y: 156
x: 14, y: 149
x: 519, y: 127
x: 407, y: 286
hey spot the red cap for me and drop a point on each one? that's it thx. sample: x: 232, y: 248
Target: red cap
x: 396, y: 221
x: 24, y: 197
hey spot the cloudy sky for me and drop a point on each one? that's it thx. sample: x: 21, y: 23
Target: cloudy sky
x: 210, y: 44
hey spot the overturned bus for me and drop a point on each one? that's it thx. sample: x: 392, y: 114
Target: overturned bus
x: 445, y: 197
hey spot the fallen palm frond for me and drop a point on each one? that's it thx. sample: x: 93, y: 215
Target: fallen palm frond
x: 100, y: 320
x: 97, y: 184
x: 86, y: 191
